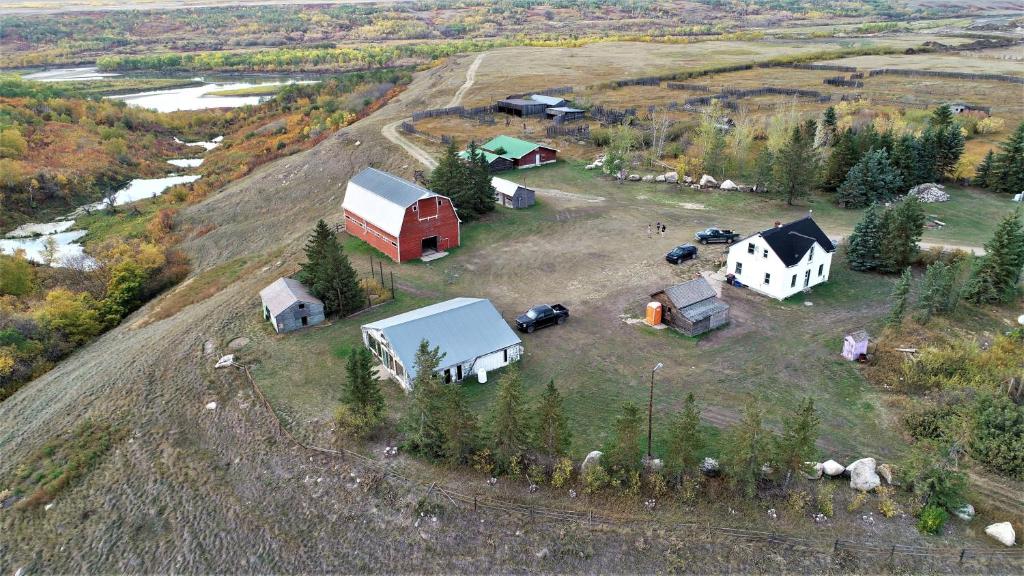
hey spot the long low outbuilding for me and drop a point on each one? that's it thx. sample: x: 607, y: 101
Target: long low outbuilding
x: 470, y: 333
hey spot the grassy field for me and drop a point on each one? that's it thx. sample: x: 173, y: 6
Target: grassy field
x: 594, y: 257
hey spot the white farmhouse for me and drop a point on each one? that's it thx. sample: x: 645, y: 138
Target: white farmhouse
x: 782, y: 260
x: 471, y: 334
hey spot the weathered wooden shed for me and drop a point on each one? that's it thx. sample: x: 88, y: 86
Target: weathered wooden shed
x: 289, y: 306
x: 855, y: 344
x: 565, y: 113
x: 521, y: 107
x: 512, y: 195
x: 692, y: 307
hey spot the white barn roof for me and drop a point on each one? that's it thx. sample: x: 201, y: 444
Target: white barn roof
x: 382, y: 198
x: 284, y: 292
x: 505, y: 187
x: 463, y: 328
x: 549, y: 100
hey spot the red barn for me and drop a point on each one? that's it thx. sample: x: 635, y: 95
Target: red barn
x: 397, y: 217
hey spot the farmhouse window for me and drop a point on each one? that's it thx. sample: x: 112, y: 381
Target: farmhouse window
x: 458, y: 372
x: 793, y: 282
x: 750, y: 248
x: 504, y: 356
x: 811, y: 256
x: 767, y: 278
x: 413, y: 207
x: 447, y: 375
x: 821, y: 270
x: 301, y: 305
x: 764, y: 253
x: 739, y: 268
x: 438, y: 201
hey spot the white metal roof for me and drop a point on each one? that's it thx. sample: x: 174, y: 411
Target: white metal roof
x: 284, y: 292
x: 549, y: 100
x: 382, y: 198
x: 505, y: 187
x: 463, y: 328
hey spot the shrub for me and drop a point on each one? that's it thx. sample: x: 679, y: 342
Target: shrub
x: 595, y: 479
x: 826, y: 491
x: 886, y: 505
x: 688, y: 488
x: 483, y: 461
x: 858, y: 500
x: 932, y: 519
x: 350, y: 424
x: 798, y: 500
x: 998, y: 441
x: 535, y: 473
x: 656, y: 484
x: 562, y: 473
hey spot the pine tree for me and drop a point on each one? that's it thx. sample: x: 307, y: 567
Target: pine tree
x: 796, y: 445
x: 747, y: 450
x: 844, y: 157
x: 328, y: 273
x: 899, y: 299
x: 983, y: 173
x: 796, y: 167
x: 825, y: 133
x: 362, y: 390
x: 931, y: 296
x: 625, y: 452
x: 480, y: 183
x: 763, y: 169
x: 873, y: 179
x: 685, y: 440
x: 902, y: 226
x: 997, y: 274
x: 1008, y: 169
x: 552, y: 429
x: 950, y: 146
x: 422, y: 425
x: 510, y: 427
x: 459, y: 426
x: 942, y: 117
x: 864, y: 251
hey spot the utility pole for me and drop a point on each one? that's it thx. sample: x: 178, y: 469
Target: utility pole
x: 650, y: 411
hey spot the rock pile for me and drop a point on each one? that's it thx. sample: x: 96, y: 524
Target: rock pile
x: 929, y: 193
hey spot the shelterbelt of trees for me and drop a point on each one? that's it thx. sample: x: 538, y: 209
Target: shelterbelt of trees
x: 46, y: 312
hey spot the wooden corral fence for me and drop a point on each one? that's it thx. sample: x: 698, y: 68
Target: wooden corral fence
x: 646, y: 81
x: 556, y: 91
x: 476, y: 503
x: 685, y: 86
x: 830, y: 67
x: 578, y: 132
x: 945, y: 74
x: 843, y: 82
x: 611, y: 115
x: 436, y: 112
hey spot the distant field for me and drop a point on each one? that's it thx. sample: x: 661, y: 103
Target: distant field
x: 950, y: 62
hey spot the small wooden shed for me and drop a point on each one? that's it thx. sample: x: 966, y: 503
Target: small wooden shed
x: 512, y: 195
x: 692, y: 307
x: 855, y: 344
x: 289, y: 306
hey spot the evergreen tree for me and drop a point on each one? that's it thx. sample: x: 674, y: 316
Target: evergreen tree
x: 844, y: 157
x: 942, y: 117
x: 983, y: 173
x: 796, y: 445
x: 459, y: 426
x: 480, y: 184
x: 625, y: 452
x: 899, y: 299
x: 447, y: 178
x: 949, y: 148
x: 825, y: 133
x: 747, y: 450
x: 362, y: 390
x: 552, y: 429
x: 998, y: 272
x: 763, y: 169
x: 423, y: 423
x: 328, y: 273
x: 902, y: 226
x: 510, y: 427
x: 873, y: 179
x: 685, y: 440
x: 796, y: 167
x: 864, y: 251
x: 1008, y: 169
x: 931, y: 296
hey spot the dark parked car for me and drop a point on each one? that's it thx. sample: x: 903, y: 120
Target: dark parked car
x: 681, y: 254
x: 541, y: 316
x: 716, y: 235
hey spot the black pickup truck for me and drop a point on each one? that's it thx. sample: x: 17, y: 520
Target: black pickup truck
x: 541, y: 316
x: 712, y: 235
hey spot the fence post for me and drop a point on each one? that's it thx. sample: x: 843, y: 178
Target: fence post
x: 591, y: 517
x: 474, y: 502
x: 392, y: 274
x: 963, y: 552
x: 380, y: 266
x: 835, y: 546
x: 892, y: 552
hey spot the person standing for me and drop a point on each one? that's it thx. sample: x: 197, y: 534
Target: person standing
x: 663, y: 229
x: 649, y: 231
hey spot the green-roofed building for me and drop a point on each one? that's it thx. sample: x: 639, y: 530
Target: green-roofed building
x: 506, y: 153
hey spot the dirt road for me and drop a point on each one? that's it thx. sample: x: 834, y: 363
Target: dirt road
x: 390, y: 130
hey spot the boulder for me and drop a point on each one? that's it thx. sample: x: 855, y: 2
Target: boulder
x: 672, y: 177
x: 832, y: 468
x: 710, y: 468
x: 211, y: 406
x: 659, y: 178
x: 592, y: 459
x: 647, y: 178
x: 863, y: 475
x: 688, y: 179
x: 591, y: 166
x: 654, y: 464
x: 1003, y: 532
x: 929, y: 193
x: 813, y: 470
x: 965, y: 512
x: 746, y: 188
x: 225, y: 361
x: 885, y: 471
x: 634, y: 177
x: 729, y: 185
x: 708, y: 181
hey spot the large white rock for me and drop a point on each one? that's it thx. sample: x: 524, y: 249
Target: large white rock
x: 729, y: 185
x: 832, y: 468
x: 634, y: 177
x: 659, y: 178
x: 814, y: 471
x: 672, y: 177
x: 592, y: 459
x: 710, y: 467
x: 863, y: 475
x: 965, y: 512
x: 688, y: 179
x: 885, y: 471
x: 648, y: 178
x: 225, y: 361
x: 1003, y: 532
x: 707, y: 180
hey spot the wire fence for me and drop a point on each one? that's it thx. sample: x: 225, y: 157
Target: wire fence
x: 591, y: 517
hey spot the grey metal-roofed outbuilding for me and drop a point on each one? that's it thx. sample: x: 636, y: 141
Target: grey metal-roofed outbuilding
x: 692, y: 307
x: 288, y: 305
x: 470, y: 333
x: 512, y: 195
x: 521, y: 107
